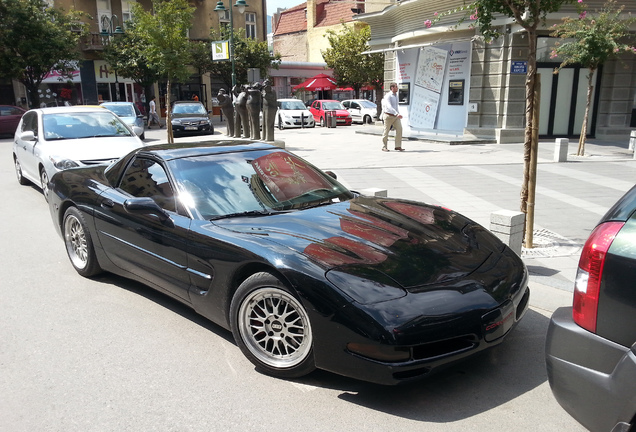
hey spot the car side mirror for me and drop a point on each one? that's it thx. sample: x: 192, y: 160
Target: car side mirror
x: 332, y: 174
x: 27, y: 136
x: 146, y: 206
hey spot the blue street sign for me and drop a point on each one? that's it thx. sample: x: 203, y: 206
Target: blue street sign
x: 519, y: 67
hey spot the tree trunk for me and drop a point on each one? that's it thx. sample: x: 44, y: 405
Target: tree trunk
x: 530, y: 85
x: 590, y: 89
x: 168, y: 120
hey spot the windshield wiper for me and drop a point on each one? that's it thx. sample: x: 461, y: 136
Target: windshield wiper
x: 245, y: 213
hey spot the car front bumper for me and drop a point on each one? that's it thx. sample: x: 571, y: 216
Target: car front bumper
x: 591, y: 377
x: 189, y: 129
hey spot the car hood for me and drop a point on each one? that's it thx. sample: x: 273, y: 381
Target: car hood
x: 189, y: 116
x: 295, y: 112
x: 404, y: 242
x: 88, y: 149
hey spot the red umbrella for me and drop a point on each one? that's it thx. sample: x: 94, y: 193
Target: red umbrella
x: 318, y: 83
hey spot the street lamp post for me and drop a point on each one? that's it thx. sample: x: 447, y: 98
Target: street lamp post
x: 106, y: 33
x: 220, y: 8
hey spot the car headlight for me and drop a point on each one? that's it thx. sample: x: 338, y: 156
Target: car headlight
x: 63, y: 164
x: 176, y: 122
x: 204, y: 122
x: 369, y: 288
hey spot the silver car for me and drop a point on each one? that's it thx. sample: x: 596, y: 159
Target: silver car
x: 130, y: 114
x: 361, y: 110
x: 49, y: 140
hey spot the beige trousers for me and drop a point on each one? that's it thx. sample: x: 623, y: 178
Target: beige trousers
x: 397, y: 125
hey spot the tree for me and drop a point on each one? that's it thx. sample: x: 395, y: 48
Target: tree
x: 36, y: 39
x: 164, y: 35
x: 351, y: 67
x: 595, y: 40
x: 126, y: 54
x: 528, y: 14
x: 248, y: 53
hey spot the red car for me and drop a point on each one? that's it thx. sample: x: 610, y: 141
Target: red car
x: 9, y: 118
x: 320, y: 107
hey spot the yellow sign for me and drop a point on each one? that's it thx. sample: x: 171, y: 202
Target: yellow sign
x: 221, y: 50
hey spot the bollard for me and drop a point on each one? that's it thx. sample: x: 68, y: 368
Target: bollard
x: 632, y: 141
x: 508, y: 226
x: 561, y: 149
x: 375, y: 192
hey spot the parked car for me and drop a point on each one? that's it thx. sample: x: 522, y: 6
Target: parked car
x: 305, y: 273
x: 130, y: 114
x: 9, y: 118
x: 293, y: 113
x: 49, y: 140
x: 190, y: 118
x: 361, y: 110
x: 320, y: 107
x: 591, y: 346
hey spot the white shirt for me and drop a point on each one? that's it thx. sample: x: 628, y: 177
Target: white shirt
x: 390, y: 103
x: 153, y: 109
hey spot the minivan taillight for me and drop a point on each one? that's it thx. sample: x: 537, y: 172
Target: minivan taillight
x: 588, y: 276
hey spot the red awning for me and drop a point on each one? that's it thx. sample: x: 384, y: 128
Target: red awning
x: 317, y: 83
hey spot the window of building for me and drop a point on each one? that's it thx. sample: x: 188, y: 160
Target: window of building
x: 250, y: 25
x: 224, y: 21
x: 126, y: 11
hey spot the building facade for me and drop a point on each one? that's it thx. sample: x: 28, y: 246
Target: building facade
x: 451, y: 81
x: 95, y: 81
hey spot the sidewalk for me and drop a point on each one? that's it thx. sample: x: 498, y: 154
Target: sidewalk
x: 477, y: 179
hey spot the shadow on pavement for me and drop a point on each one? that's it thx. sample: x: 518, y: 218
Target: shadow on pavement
x: 470, y: 387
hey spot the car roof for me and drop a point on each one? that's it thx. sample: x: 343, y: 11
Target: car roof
x: 70, y: 109
x: 202, y: 148
x: 188, y: 102
x: 290, y: 100
x: 116, y: 103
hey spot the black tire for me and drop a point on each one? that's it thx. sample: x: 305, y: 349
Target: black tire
x: 79, y: 244
x: 44, y: 183
x: 272, y: 328
x: 366, y: 119
x: 143, y: 135
x: 281, y: 125
x: 322, y: 122
x: 18, y: 171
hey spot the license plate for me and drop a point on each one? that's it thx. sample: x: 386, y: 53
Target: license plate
x: 191, y: 128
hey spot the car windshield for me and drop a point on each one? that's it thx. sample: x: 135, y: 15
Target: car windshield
x: 332, y: 105
x: 367, y: 104
x: 75, y: 125
x: 292, y: 105
x: 189, y: 109
x: 252, y: 183
x: 121, y: 110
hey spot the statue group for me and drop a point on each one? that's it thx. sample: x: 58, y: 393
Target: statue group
x: 242, y: 110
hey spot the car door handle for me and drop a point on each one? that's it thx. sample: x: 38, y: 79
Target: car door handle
x: 108, y: 203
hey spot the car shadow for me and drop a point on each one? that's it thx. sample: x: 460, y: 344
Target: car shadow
x: 465, y: 389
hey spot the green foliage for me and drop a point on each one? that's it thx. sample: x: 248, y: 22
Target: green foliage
x: 350, y: 66
x: 248, y: 53
x: 36, y: 39
x: 164, y: 36
x: 594, y: 39
x: 126, y: 53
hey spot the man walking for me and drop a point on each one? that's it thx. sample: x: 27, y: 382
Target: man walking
x: 392, y: 118
x: 153, y: 113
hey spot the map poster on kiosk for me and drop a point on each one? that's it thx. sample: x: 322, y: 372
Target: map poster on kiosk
x: 429, y: 78
x: 437, y: 76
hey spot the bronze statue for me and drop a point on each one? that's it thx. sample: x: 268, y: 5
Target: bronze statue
x: 269, y: 110
x: 241, y: 121
x: 225, y: 102
x: 254, y: 109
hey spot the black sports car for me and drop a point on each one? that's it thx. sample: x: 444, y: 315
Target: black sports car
x: 305, y: 273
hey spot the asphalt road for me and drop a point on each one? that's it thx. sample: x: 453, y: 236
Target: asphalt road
x: 108, y: 354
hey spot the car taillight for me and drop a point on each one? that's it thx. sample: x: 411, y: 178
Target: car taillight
x: 588, y: 276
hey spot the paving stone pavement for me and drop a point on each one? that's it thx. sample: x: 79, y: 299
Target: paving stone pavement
x: 478, y: 179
